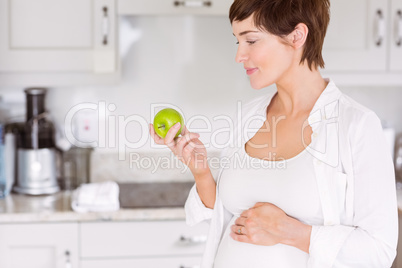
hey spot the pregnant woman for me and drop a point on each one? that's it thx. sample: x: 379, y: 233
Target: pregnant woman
x: 320, y: 189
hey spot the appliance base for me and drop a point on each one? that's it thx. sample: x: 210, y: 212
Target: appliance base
x: 40, y: 191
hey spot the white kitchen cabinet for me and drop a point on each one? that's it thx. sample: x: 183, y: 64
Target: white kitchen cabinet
x: 396, y: 36
x: 174, y: 7
x: 39, y: 245
x: 57, y: 37
x: 357, y: 38
x: 142, y: 244
x: 173, y: 262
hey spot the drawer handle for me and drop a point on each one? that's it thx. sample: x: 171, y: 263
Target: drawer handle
x: 194, y: 266
x: 68, y: 261
x: 380, y: 30
x: 399, y: 28
x: 192, y: 3
x: 193, y: 240
x: 105, y: 26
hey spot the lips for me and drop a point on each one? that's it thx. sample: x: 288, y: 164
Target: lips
x: 250, y: 71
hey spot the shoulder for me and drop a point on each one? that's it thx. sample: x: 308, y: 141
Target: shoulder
x: 353, y: 110
x: 355, y: 117
x: 335, y: 102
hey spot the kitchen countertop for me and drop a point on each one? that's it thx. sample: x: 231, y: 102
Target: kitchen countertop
x: 57, y: 208
x: 17, y: 208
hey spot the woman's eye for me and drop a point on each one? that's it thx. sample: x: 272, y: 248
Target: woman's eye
x: 249, y: 42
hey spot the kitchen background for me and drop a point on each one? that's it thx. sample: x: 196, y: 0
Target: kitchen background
x: 186, y: 61
x: 157, y: 53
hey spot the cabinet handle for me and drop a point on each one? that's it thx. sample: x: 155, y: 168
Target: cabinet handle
x: 192, y: 3
x: 193, y: 240
x: 194, y: 266
x: 380, y: 30
x: 105, y: 26
x: 68, y: 261
x: 398, y: 29
x: 398, y: 159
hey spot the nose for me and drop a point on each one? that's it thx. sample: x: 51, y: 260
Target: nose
x: 241, y: 55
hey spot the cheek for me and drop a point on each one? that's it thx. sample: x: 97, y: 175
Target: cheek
x: 273, y: 57
x: 281, y: 58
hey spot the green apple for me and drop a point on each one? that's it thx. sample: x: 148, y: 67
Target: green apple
x: 165, y: 119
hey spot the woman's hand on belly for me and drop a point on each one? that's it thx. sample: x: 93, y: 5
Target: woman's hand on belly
x: 266, y: 224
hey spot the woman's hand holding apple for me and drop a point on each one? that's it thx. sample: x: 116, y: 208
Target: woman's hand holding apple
x: 191, y: 151
x: 187, y: 148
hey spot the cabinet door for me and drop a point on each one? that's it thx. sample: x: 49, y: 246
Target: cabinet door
x: 38, y: 245
x: 54, y: 36
x: 164, y: 7
x: 174, y: 262
x: 141, y: 239
x: 356, y: 38
x: 396, y: 36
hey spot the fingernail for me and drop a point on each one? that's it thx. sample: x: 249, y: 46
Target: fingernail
x: 177, y: 125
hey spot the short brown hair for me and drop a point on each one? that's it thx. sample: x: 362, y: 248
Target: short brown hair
x: 280, y: 17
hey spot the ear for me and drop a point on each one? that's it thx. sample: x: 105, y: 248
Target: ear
x: 299, y: 35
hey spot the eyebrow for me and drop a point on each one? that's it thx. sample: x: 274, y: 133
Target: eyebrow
x: 246, y: 32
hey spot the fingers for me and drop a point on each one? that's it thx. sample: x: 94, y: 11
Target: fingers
x: 241, y: 221
x: 260, y: 204
x: 184, y: 130
x: 157, y: 139
x: 238, y: 230
x: 240, y: 238
x: 186, y: 141
x: 180, y: 145
x: 239, y: 233
x: 246, y: 213
x: 171, y: 134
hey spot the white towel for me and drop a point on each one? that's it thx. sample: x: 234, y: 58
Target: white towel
x: 103, y: 196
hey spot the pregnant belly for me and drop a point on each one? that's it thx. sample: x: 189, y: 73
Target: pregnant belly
x: 236, y: 254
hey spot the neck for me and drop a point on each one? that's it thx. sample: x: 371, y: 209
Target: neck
x: 299, y: 89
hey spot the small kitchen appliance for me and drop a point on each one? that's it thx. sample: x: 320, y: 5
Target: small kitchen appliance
x: 36, y: 150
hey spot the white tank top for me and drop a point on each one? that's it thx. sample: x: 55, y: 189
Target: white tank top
x: 289, y: 184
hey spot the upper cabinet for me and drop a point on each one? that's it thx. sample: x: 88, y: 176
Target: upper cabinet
x: 53, y: 37
x: 169, y: 7
x: 396, y: 36
x: 74, y: 42
x: 356, y: 39
x: 363, y: 42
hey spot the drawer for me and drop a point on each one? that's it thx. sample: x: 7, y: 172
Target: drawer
x: 141, y: 239
x: 175, y: 262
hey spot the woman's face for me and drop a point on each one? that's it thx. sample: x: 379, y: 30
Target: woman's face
x: 265, y: 58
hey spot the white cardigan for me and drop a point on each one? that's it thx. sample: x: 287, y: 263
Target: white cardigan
x: 355, y: 177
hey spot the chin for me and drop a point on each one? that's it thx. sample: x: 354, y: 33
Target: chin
x: 257, y: 86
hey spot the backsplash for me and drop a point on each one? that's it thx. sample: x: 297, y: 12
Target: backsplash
x: 144, y: 167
